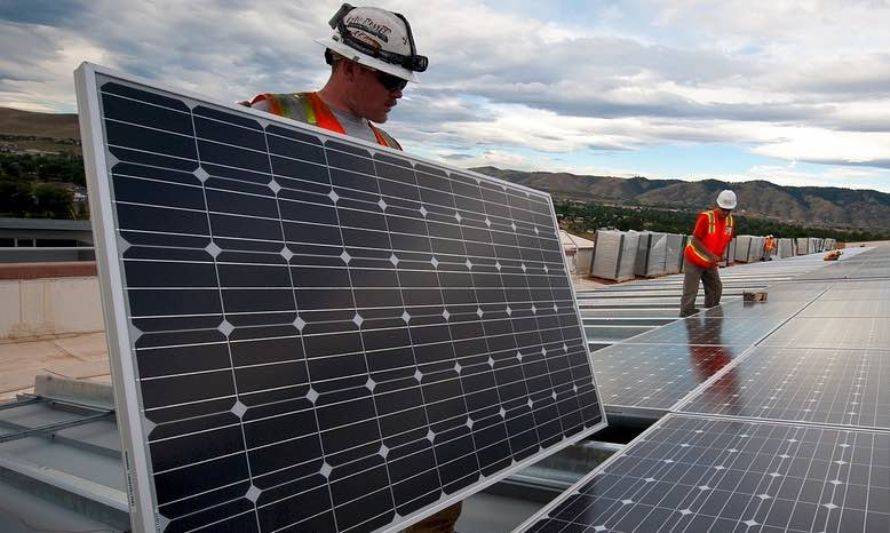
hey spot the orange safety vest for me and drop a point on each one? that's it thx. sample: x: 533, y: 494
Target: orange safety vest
x: 720, y: 231
x: 318, y: 114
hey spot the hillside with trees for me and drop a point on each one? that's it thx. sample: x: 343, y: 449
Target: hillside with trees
x: 41, y: 175
x: 817, y: 207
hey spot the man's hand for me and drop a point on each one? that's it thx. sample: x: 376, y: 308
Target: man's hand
x: 700, y: 246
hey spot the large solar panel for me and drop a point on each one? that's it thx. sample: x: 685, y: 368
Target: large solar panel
x: 640, y: 378
x: 858, y: 291
x: 824, y: 308
x: 829, y: 386
x: 864, y: 264
x: 311, y: 333
x: 844, y: 332
x: 699, y: 329
x: 690, y: 473
x: 775, y: 310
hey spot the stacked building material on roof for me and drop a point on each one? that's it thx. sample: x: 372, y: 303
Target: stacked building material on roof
x: 651, y: 258
x: 757, y: 252
x: 785, y: 248
x: 730, y: 251
x: 815, y: 245
x: 614, y: 255
x: 743, y: 248
x: 674, y: 253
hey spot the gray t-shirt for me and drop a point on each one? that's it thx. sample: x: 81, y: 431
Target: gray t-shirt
x: 354, y: 126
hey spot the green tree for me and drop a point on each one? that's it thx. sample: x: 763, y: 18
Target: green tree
x: 15, y: 198
x: 53, y: 201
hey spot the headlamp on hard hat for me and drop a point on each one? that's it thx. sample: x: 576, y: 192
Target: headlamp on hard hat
x: 413, y: 62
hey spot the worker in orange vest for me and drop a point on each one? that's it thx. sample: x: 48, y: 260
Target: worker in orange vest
x: 713, y: 231
x: 372, y: 57
x: 769, y: 246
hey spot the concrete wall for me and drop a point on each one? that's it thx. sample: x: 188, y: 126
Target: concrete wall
x: 49, y: 306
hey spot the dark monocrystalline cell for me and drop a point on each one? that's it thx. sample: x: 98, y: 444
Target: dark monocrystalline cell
x: 699, y: 474
x: 834, y: 386
x: 833, y: 333
x: 712, y: 331
x: 328, y: 338
x: 656, y: 376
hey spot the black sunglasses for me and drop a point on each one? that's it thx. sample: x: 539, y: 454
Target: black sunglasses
x: 391, y: 83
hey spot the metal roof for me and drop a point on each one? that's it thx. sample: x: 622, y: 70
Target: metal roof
x: 52, y: 224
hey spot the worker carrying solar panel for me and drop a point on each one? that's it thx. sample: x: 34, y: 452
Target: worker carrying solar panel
x: 713, y: 231
x: 372, y: 57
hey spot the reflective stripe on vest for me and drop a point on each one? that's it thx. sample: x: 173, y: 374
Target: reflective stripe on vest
x: 319, y: 114
x: 719, y: 234
x: 690, y: 248
x: 715, y: 241
x: 379, y: 135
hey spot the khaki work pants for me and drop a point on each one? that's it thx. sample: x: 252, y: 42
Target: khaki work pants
x: 709, y: 277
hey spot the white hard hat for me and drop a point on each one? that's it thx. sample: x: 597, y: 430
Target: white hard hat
x: 726, y: 199
x: 376, y: 38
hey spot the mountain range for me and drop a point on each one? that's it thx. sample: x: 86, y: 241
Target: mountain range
x: 829, y: 207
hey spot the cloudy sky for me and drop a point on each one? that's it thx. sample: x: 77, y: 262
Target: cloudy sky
x: 794, y: 92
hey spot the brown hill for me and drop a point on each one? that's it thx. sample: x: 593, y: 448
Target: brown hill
x: 808, y: 206
x: 47, y: 132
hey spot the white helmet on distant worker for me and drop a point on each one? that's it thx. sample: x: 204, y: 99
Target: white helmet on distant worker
x: 726, y: 199
x: 376, y: 38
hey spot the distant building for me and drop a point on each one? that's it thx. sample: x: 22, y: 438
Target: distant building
x: 24, y: 240
x: 579, y: 253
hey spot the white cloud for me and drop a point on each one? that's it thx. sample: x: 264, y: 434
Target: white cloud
x: 807, y: 81
x: 847, y: 177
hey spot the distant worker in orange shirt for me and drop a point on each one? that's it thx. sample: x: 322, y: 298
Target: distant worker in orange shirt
x: 713, y: 231
x: 769, y: 246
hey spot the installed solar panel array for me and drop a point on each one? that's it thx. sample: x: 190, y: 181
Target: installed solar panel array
x: 790, y: 434
x: 643, y: 370
x: 316, y: 335
x: 691, y: 473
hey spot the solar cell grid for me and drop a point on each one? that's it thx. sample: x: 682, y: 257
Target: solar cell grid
x: 777, y: 310
x: 795, y: 292
x: 325, y: 336
x: 656, y: 376
x: 868, y: 264
x: 847, y: 308
x: 828, y: 386
x: 699, y: 329
x: 858, y: 291
x: 839, y: 332
x: 698, y: 474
